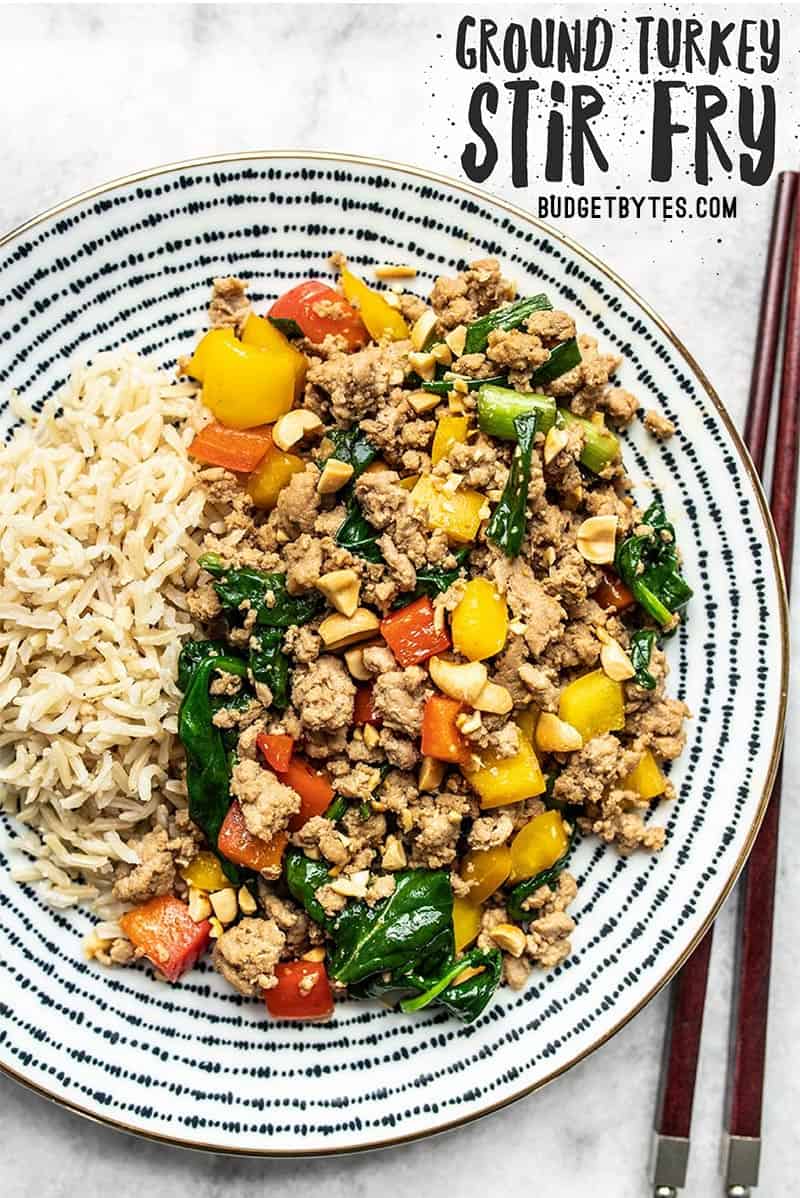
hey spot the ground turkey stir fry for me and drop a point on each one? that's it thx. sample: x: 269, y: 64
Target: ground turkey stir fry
x: 433, y: 620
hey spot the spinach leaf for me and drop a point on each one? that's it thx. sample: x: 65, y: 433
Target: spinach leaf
x: 642, y: 642
x: 469, y: 998
x: 648, y: 563
x: 474, y: 959
x: 357, y: 534
x: 546, y: 877
x: 266, y: 592
x: 290, y: 328
x: 304, y: 877
x: 396, y: 930
x: 351, y: 446
x: 506, y: 528
x: 192, y: 653
x: 207, y: 773
x: 269, y: 664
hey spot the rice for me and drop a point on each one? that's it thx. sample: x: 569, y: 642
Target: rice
x: 100, y: 524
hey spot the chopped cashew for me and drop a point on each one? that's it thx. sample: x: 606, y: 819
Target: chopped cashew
x: 509, y: 937
x: 354, y: 660
x: 339, y: 632
x: 423, y: 327
x: 247, y: 904
x: 423, y: 364
x: 431, y: 773
x: 294, y: 426
x: 464, y: 681
x: 554, y: 442
x: 342, y: 589
x: 456, y: 339
x: 226, y: 908
x: 394, y: 855
x: 597, y: 539
x: 334, y: 476
x: 556, y: 736
x: 494, y: 698
x: 615, y: 661
x: 423, y: 401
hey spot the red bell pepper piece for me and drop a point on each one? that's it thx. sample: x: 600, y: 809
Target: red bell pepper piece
x: 319, y: 310
x: 613, y: 593
x: 411, y: 633
x: 440, y: 735
x: 303, y: 991
x: 276, y: 749
x: 164, y: 931
x: 242, y: 848
x: 236, y: 449
x: 316, y: 792
x: 363, y: 711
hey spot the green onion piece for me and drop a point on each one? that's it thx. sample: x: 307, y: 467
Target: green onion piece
x: 499, y: 407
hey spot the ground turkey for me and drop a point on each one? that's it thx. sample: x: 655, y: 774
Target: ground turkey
x: 298, y: 504
x: 475, y: 291
x: 267, y: 805
x: 389, y: 508
x: 356, y: 385
x: 229, y: 307
x: 155, y: 875
x: 246, y: 955
x: 399, y: 699
x: 323, y: 694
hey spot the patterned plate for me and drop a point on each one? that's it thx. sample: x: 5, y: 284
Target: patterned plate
x: 195, y: 1064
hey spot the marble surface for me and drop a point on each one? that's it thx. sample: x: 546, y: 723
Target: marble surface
x: 89, y: 93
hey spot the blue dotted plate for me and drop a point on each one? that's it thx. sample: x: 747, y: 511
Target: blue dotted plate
x: 195, y: 1064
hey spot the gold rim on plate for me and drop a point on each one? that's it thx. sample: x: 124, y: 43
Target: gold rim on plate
x: 777, y: 565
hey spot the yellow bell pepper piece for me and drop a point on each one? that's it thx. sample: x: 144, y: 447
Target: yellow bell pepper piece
x: 646, y: 778
x: 245, y: 386
x: 381, y: 319
x: 538, y: 845
x: 593, y: 704
x: 196, y: 366
x: 526, y: 722
x: 409, y: 483
x: 458, y: 513
x: 259, y: 333
x: 503, y: 780
x: 487, y: 870
x: 271, y: 475
x: 466, y: 922
x: 479, y: 623
x: 204, y: 872
x: 450, y: 431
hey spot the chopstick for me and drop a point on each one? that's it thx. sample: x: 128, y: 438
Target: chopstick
x: 751, y: 982
x: 671, y: 1140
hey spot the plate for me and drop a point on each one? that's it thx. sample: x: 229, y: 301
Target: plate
x: 131, y: 262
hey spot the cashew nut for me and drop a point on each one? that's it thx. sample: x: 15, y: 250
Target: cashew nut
x: 456, y: 339
x: 556, y: 736
x: 295, y: 425
x: 597, y: 538
x: 464, y: 682
x: 510, y: 938
x: 615, y: 661
x: 354, y: 659
x: 334, y: 476
x: 423, y: 401
x: 423, y: 327
x: 342, y: 589
x: 494, y: 698
x: 431, y: 773
x: 554, y: 442
x: 339, y: 632
x: 423, y: 364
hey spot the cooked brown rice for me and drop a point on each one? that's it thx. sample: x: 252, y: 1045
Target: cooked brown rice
x: 98, y: 516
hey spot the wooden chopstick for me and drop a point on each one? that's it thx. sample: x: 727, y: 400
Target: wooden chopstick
x: 757, y: 889
x: 682, y: 1039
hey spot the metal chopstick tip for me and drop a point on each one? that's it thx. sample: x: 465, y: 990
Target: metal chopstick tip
x: 738, y: 1191
x: 665, y: 1192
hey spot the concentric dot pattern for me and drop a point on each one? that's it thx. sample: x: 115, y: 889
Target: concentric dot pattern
x: 195, y: 1062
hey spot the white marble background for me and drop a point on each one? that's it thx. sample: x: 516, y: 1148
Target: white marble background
x: 89, y: 93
